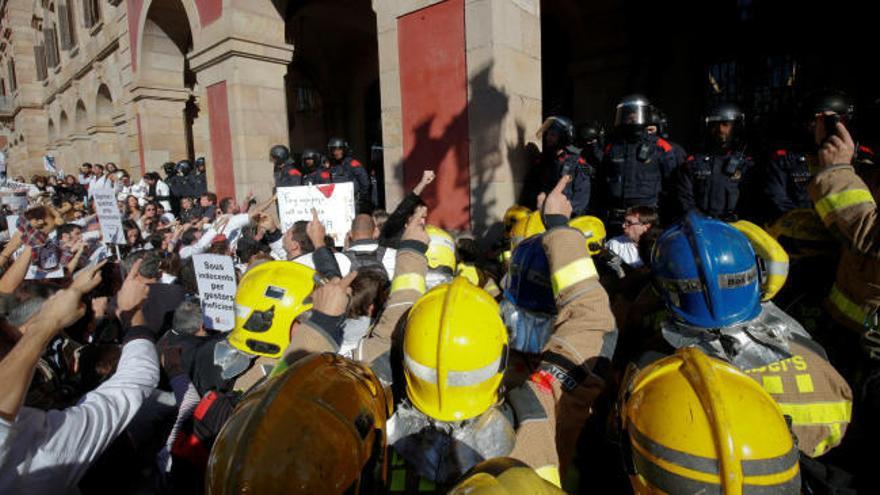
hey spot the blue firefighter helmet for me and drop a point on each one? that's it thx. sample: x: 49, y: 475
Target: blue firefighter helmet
x: 707, y: 272
x: 528, y: 279
x: 528, y: 307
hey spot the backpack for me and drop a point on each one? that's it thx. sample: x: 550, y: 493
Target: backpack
x: 193, y: 443
x: 368, y: 260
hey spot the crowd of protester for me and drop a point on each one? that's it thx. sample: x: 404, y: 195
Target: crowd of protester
x: 632, y: 331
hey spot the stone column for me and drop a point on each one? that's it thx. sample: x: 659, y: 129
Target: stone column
x: 503, y: 59
x: 160, y: 125
x: 503, y: 39
x: 247, y: 112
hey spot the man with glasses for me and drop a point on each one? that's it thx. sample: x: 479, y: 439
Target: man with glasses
x: 637, y: 221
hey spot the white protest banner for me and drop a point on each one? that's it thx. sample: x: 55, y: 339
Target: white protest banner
x: 109, y: 215
x: 333, y: 202
x: 215, y: 276
x: 16, y: 201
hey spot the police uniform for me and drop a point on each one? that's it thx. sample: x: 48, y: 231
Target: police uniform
x: 788, y: 174
x: 199, y: 183
x: 570, y: 162
x: 288, y: 175
x: 712, y: 183
x: 346, y: 170
x: 634, y: 173
x: 179, y: 189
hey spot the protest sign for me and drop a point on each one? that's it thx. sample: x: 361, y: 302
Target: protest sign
x: 109, y: 215
x: 215, y: 276
x: 16, y: 201
x: 46, y: 262
x: 333, y: 202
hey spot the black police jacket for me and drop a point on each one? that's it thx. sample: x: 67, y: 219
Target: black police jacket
x: 785, y: 184
x: 713, y: 183
x: 288, y: 175
x: 633, y: 172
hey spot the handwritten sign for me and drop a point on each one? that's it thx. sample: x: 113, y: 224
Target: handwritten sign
x: 333, y: 202
x: 215, y: 276
x: 109, y: 216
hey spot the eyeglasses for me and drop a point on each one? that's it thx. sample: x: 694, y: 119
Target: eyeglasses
x: 627, y: 223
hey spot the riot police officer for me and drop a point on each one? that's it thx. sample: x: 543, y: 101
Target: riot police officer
x: 187, y: 184
x: 712, y: 179
x: 789, y: 171
x: 309, y: 163
x: 636, y: 164
x: 590, y: 138
x: 561, y: 157
x: 170, y: 169
x: 285, y: 171
x: 175, y: 185
x: 341, y: 167
x: 200, y: 177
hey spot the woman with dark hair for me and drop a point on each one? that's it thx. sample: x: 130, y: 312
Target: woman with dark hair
x: 132, y: 209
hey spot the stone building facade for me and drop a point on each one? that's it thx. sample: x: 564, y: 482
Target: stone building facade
x: 443, y: 84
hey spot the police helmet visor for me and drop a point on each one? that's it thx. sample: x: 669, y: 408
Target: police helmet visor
x: 632, y: 114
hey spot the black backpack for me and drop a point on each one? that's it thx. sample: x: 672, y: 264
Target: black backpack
x: 368, y: 260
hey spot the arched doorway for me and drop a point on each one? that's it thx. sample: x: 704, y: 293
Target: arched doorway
x: 332, y: 81
x: 106, y: 142
x: 165, y: 83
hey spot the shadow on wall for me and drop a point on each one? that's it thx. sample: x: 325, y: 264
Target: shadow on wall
x: 467, y: 155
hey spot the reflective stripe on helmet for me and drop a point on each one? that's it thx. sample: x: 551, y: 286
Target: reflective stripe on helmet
x: 844, y: 199
x: 443, y: 242
x: 777, y: 268
x: 737, y: 280
x: 572, y: 273
x: 847, y: 306
x: 454, y: 378
x: 682, y: 286
x: 408, y: 281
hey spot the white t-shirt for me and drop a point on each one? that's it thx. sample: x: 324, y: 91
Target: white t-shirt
x: 626, y: 249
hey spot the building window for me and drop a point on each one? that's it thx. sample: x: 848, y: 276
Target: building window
x: 91, y: 12
x: 67, y: 25
x: 13, y: 82
x: 2, y: 87
x: 40, y: 57
x: 50, y: 40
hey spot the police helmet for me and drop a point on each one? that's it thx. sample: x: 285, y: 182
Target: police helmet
x: 589, y: 131
x: 279, y: 154
x: 170, y: 168
x: 184, y: 167
x: 337, y: 142
x: 633, y: 111
x: 724, y: 112
x: 828, y: 101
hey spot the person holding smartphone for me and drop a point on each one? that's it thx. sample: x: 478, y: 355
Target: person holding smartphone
x: 789, y: 170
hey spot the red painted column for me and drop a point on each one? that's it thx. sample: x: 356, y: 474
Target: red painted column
x: 434, y: 98
x: 221, y: 140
